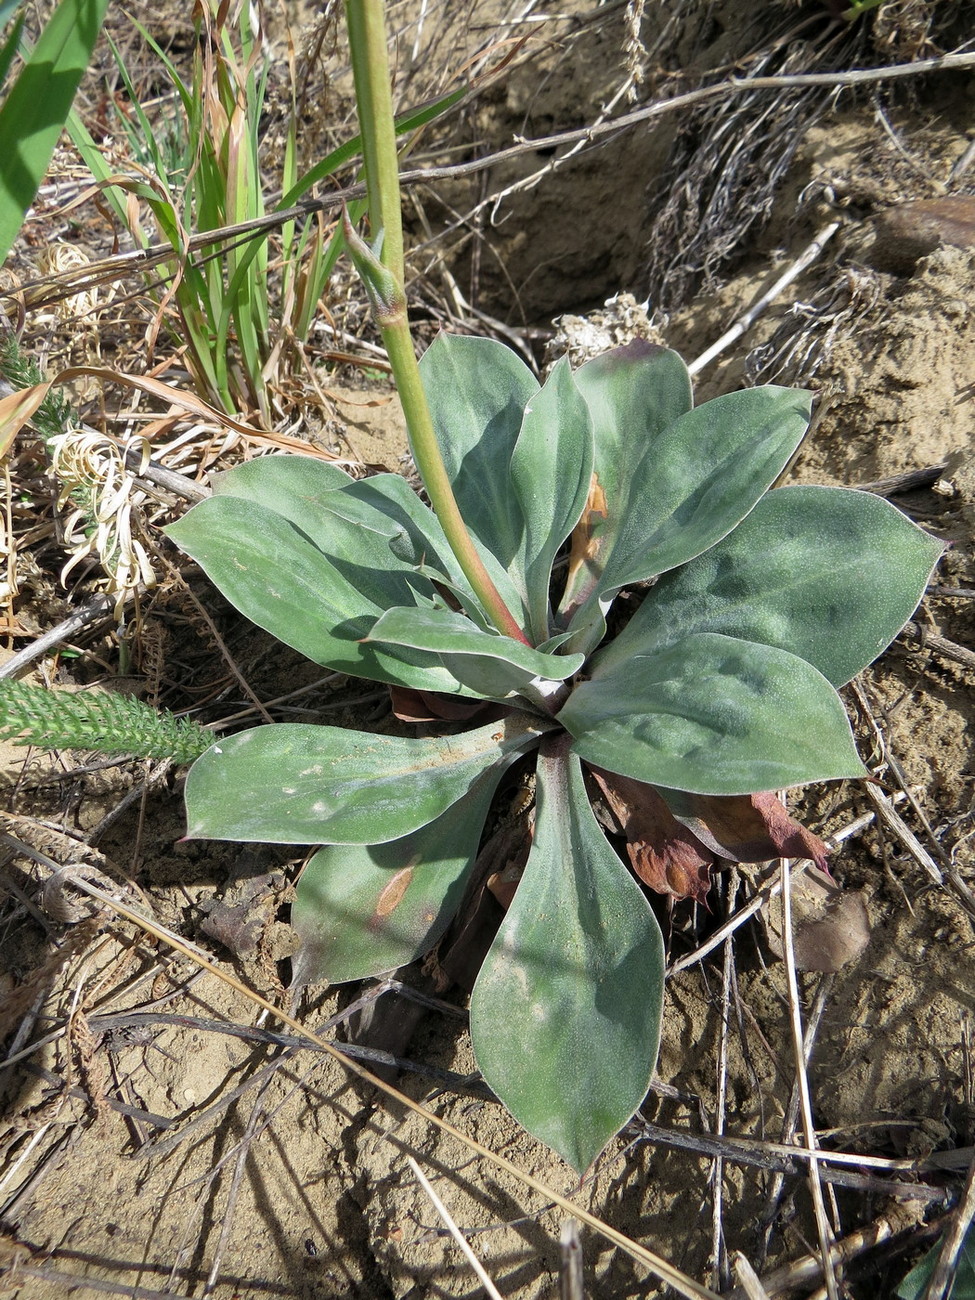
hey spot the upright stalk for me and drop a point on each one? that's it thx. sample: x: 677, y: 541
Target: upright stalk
x: 382, y: 269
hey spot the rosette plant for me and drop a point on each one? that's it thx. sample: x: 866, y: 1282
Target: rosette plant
x: 490, y: 611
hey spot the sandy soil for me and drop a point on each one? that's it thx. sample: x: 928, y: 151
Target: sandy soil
x: 156, y: 1156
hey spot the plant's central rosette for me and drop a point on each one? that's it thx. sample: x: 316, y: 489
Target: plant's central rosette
x: 720, y: 688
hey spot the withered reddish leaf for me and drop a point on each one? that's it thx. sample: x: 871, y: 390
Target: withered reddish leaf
x: 749, y: 828
x: 410, y: 705
x: 504, y: 883
x: 663, y: 853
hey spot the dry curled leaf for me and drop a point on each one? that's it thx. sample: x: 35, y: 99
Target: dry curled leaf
x: 663, y: 853
x: 673, y: 843
x: 748, y: 827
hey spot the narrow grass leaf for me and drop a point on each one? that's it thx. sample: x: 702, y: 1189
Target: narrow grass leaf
x: 8, y: 50
x: 16, y: 409
x: 38, y: 104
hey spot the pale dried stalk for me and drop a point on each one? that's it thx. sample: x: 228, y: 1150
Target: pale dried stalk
x: 455, y: 1232
x: 942, y: 1279
x: 824, y: 1232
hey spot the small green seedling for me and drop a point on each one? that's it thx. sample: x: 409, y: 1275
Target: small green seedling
x: 720, y: 687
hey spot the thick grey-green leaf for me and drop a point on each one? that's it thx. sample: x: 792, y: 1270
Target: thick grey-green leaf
x: 478, y: 390
x: 699, y: 479
x: 362, y: 909
x: 293, y: 486
x: 565, y: 1014
x: 313, y: 495
x: 321, y: 605
x: 962, y: 1286
x: 713, y: 715
x: 487, y: 663
x: 829, y: 574
x: 551, y: 468
x: 634, y: 393
x: 296, y: 784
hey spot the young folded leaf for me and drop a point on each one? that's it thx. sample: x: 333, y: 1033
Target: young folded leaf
x: 550, y: 473
x: 634, y: 393
x: 492, y: 666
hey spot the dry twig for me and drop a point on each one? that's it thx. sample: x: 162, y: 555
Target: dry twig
x: 492, y: 1291
x: 960, y: 1222
x: 805, y: 1103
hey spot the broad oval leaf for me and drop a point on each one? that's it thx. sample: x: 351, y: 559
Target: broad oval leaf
x: 321, y: 605
x: 477, y: 390
x: 551, y: 468
x: 702, y: 477
x: 296, y: 784
x: 311, y: 494
x: 296, y: 487
x: 489, y: 664
x: 699, y: 479
x: 829, y: 574
x: 362, y: 909
x: 565, y: 1013
x: 713, y: 715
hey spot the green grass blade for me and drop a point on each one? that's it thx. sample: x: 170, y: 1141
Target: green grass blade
x: 331, y: 163
x: 38, y: 105
x: 11, y: 44
x: 189, y: 100
x: 94, y: 160
x: 410, y: 121
x: 149, y: 144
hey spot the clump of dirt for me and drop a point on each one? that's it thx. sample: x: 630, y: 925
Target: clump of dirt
x: 898, y: 386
